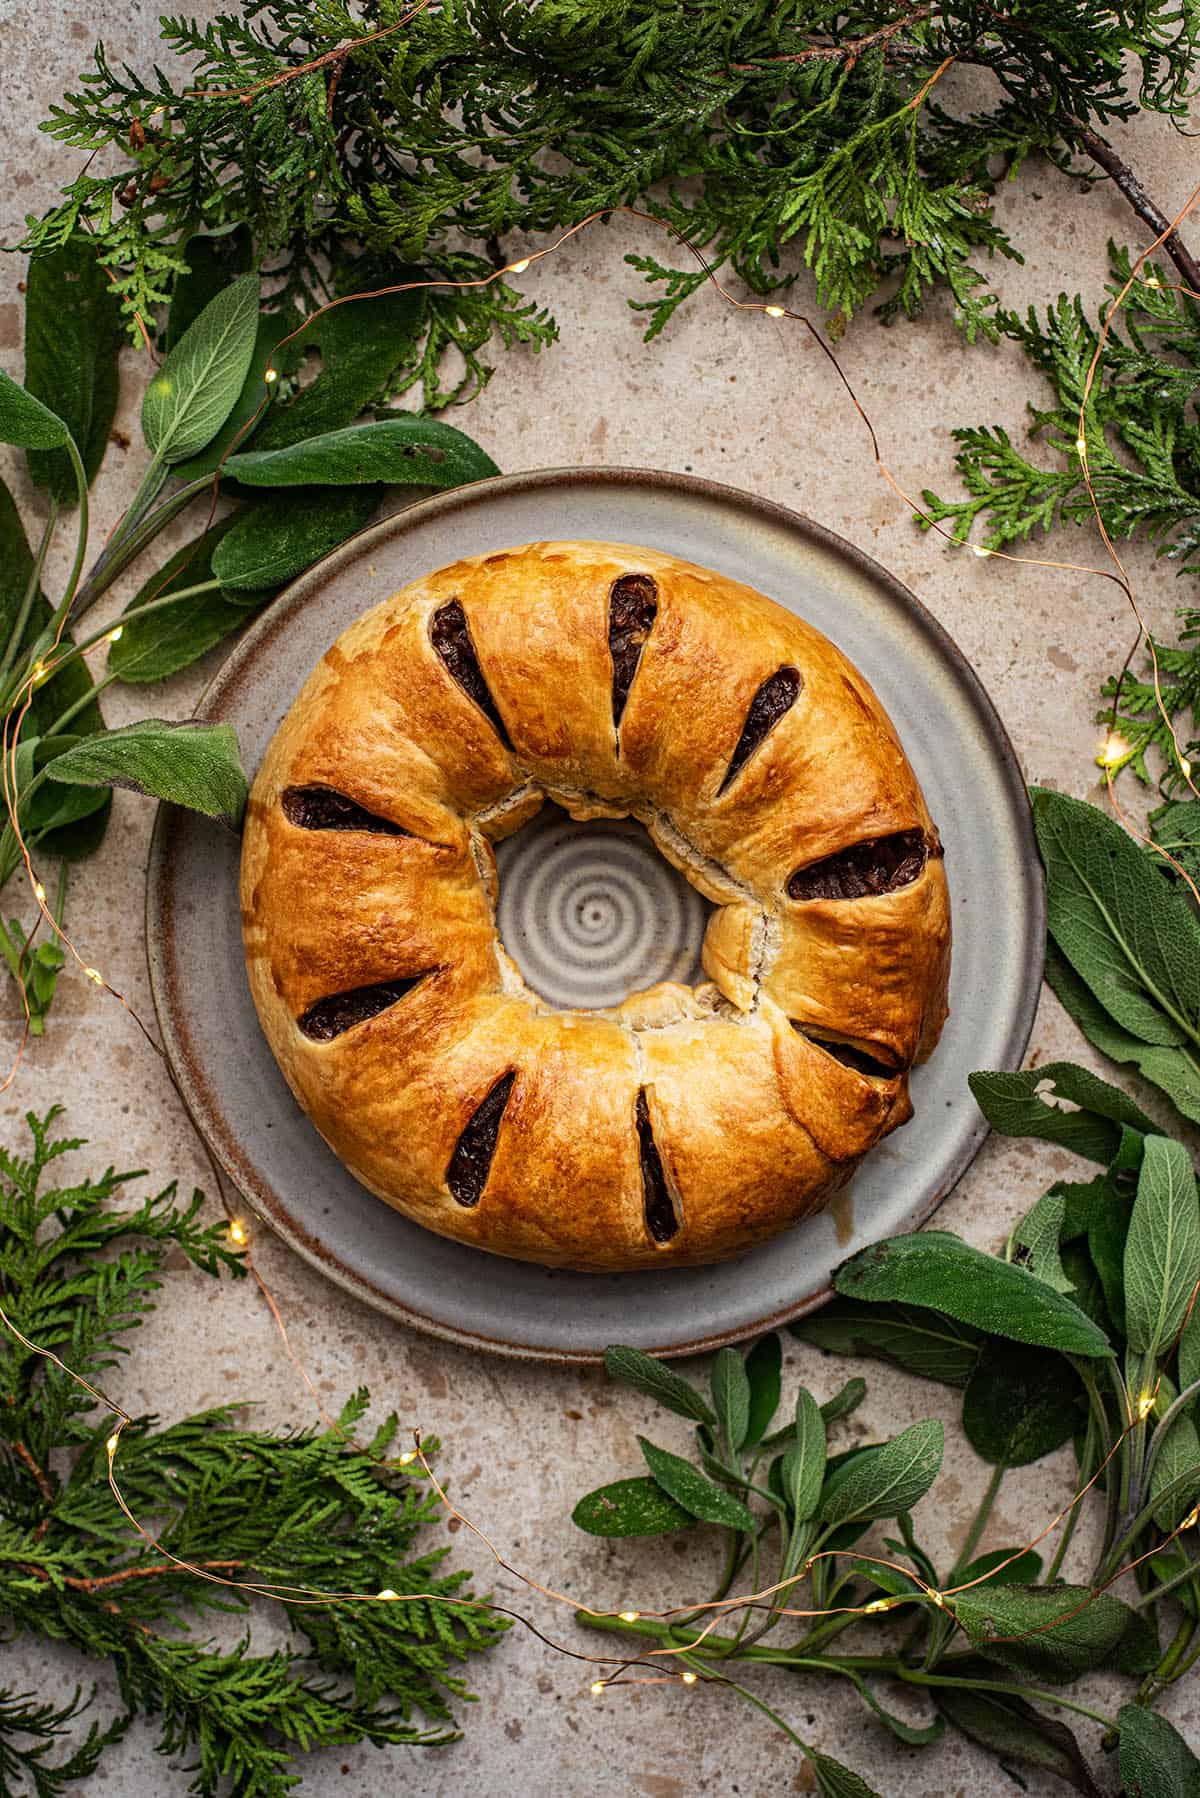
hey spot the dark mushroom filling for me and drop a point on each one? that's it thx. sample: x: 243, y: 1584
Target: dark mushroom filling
x: 632, y: 609
x: 342, y: 1011
x: 451, y: 638
x: 324, y: 808
x: 661, y: 1221
x: 864, y: 870
x: 471, y: 1162
x: 776, y: 696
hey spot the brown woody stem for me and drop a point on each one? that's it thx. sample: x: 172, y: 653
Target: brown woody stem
x: 1127, y: 184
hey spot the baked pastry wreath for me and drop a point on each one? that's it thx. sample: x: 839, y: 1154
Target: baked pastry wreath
x: 685, y: 1124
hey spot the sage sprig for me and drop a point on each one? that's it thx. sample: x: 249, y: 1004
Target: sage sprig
x: 1083, y: 1329
x: 316, y: 479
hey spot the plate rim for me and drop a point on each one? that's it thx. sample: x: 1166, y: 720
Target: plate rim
x: 189, y: 1080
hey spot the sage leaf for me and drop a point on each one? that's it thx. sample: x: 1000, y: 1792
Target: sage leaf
x: 886, y: 1479
x: 194, y: 765
x: 1019, y: 1405
x: 1189, y: 1349
x: 402, y: 450
x: 1106, y: 1237
x: 1085, y: 1200
x: 1129, y: 935
x: 693, y: 1490
x: 73, y: 333
x: 731, y: 1397
x: 195, y: 390
x: 939, y: 1270
x: 763, y: 1365
x: 1014, y: 1731
x: 1175, y: 1071
x: 1162, y: 1250
x: 1014, y: 1105
x: 363, y: 344
x: 72, y: 682
x: 1019, y: 1567
x: 25, y: 422
x: 1154, y: 1759
x: 286, y: 533
x: 659, y: 1382
x: 908, y: 1336
x: 213, y: 262
x: 1054, y: 1632
x: 636, y: 1507
x: 845, y: 1402
x: 914, y: 1734
x: 1176, y: 1464
x: 803, y: 1470
x: 251, y: 409
x: 836, y: 1781
x: 1036, y: 1239
x: 159, y: 645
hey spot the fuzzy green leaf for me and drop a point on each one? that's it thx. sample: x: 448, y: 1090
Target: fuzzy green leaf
x: 194, y: 765
x: 1014, y: 1731
x: 636, y: 1507
x: 1129, y: 935
x: 196, y: 388
x: 803, y: 1470
x: 1053, y: 1632
x: 1174, y: 1069
x: 763, y: 1364
x: 1162, y: 1250
x: 946, y: 1274
x: 287, y: 533
x: 884, y: 1480
x: 836, y: 1781
x: 25, y: 422
x: 159, y: 645
x: 659, y: 1382
x: 1155, y: 1760
x: 920, y: 1341
x: 73, y: 331
x: 404, y: 450
x: 731, y: 1397
x: 691, y: 1489
x: 1019, y: 1105
x: 1035, y: 1241
x: 1019, y: 1404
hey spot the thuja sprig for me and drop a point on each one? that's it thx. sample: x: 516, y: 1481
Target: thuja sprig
x: 1083, y: 1330
x: 306, y: 1509
x: 410, y: 133
x: 228, y: 433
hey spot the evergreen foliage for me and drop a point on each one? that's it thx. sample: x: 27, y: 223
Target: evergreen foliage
x: 751, y: 129
x: 79, y: 1265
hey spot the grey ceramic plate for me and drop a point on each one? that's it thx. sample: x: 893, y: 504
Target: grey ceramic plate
x: 588, y: 909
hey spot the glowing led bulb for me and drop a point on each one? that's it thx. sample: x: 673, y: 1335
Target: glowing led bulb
x: 39, y: 893
x: 272, y: 374
x: 1191, y: 1520
x: 1153, y: 281
x: 409, y: 1455
x: 518, y: 268
x: 387, y: 1593
x: 630, y: 1616
x: 1185, y: 767
x: 237, y: 1231
x: 774, y: 311
x: 876, y: 1604
x: 1081, y: 446
x: 39, y: 672
x: 94, y: 975
x: 597, y: 1687
x: 115, y: 635
x: 981, y: 550
x: 689, y: 1678
x: 111, y: 1445
x: 1145, y: 1405
x: 1114, y: 751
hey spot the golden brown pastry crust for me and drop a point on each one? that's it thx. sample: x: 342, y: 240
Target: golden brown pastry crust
x: 753, y: 1122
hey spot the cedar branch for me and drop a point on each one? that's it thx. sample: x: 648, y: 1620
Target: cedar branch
x: 1127, y: 184
x: 831, y: 52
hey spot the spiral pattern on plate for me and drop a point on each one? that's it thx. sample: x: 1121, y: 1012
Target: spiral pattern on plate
x: 591, y: 912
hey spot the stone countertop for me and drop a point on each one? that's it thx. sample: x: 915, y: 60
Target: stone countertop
x: 753, y: 404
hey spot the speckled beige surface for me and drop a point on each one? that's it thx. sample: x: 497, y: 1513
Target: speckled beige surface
x: 754, y: 404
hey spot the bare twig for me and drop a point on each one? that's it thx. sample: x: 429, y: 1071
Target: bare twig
x: 850, y: 51
x: 1127, y: 184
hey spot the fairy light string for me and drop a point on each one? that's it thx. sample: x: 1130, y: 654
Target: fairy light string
x: 238, y: 1232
